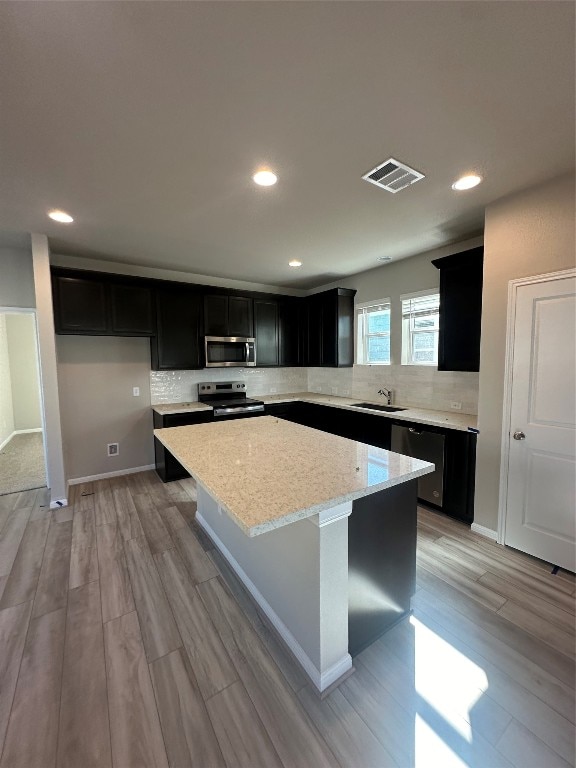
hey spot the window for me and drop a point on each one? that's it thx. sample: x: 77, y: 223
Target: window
x: 420, y: 318
x: 373, y: 329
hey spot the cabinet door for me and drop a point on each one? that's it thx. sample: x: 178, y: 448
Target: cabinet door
x: 460, y: 310
x: 240, y: 316
x: 80, y: 306
x: 177, y: 344
x: 216, y: 315
x: 329, y: 304
x: 132, y: 310
x: 266, y: 331
x: 315, y: 316
x: 289, y: 331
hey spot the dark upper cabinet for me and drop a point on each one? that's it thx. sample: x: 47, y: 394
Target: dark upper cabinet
x: 240, y: 321
x: 289, y: 333
x: 228, y: 315
x: 330, y: 328
x: 132, y: 311
x: 178, y: 341
x: 313, y: 332
x: 80, y: 306
x: 85, y: 304
x: 460, y: 310
x: 266, y: 332
x: 216, y: 315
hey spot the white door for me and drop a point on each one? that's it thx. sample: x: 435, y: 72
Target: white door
x: 540, y: 508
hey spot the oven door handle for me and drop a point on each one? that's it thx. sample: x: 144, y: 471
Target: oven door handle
x: 246, y: 409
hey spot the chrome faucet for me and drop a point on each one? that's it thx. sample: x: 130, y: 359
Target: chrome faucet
x: 387, y: 394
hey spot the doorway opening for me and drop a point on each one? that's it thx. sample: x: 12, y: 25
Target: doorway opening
x: 22, y: 450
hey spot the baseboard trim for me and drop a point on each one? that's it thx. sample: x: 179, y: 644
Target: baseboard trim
x: 27, y: 431
x: 105, y: 475
x: 481, y: 530
x: 7, y: 440
x: 320, y: 680
x: 58, y: 503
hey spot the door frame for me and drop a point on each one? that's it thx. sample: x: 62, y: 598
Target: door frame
x: 513, y: 287
x: 32, y: 311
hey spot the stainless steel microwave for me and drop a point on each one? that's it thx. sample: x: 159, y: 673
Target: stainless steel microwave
x: 230, y: 351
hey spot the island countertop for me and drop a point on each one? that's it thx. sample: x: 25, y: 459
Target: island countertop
x: 268, y: 472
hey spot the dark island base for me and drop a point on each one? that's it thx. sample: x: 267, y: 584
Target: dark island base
x: 381, y: 562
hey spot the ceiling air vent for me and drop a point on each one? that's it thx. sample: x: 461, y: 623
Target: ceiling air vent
x: 392, y: 175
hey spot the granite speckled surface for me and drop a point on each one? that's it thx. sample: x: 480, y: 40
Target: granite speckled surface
x: 266, y: 472
x: 448, y: 419
x: 165, y: 409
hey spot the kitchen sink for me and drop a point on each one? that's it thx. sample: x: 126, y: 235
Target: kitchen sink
x: 378, y: 407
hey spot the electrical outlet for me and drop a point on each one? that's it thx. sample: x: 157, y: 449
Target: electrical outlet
x: 273, y: 390
x: 136, y: 391
x: 455, y: 405
x: 113, y: 449
x: 334, y: 390
x: 346, y: 392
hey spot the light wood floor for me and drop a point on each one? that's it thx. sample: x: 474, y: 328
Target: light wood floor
x: 125, y: 641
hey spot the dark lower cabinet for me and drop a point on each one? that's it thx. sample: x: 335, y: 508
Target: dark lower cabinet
x: 459, y: 446
x: 178, y: 341
x: 266, y: 332
x: 166, y: 465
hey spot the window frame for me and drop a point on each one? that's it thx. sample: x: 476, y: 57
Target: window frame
x: 408, y: 330
x: 362, y: 335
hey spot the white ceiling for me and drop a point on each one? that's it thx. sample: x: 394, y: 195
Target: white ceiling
x: 145, y: 120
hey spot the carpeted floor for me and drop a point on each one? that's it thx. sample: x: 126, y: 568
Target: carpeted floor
x: 22, y: 464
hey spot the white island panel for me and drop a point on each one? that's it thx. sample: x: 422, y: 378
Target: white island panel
x: 298, y: 574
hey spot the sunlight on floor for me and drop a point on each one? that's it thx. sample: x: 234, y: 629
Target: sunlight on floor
x: 449, y: 685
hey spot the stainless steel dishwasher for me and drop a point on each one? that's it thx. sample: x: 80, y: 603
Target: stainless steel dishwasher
x: 428, y: 446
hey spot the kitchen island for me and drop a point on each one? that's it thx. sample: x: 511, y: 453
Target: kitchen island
x: 320, y: 529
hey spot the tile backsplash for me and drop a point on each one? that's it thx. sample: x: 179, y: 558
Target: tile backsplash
x: 182, y: 386
x: 418, y: 386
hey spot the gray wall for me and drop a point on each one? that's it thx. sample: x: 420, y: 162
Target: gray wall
x: 96, y: 375
x: 23, y: 353
x: 16, y: 278
x: 420, y: 386
x: 527, y: 234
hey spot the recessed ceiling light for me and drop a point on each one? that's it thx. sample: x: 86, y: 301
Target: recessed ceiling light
x: 467, y: 182
x: 265, y: 178
x: 294, y: 263
x: 61, y: 216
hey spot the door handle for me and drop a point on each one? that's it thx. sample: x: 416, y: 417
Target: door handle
x: 519, y: 435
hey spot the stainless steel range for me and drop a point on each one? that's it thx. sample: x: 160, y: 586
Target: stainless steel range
x: 228, y: 398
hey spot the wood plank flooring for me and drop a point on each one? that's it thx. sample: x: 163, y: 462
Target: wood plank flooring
x: 126, y: 641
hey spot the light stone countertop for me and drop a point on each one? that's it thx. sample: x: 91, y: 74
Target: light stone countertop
x: 267, y: 472
x: 165, y: 409
x: 447, y: 419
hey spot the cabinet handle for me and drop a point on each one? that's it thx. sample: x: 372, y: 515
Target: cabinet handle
x: 414, y: 431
